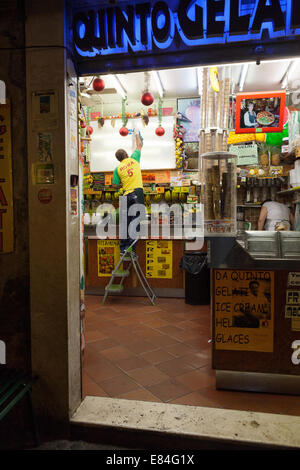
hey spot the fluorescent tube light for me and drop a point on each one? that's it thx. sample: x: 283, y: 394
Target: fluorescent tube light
x: 158, y: 84
x: 243, y: 76
x: 118, y: 86
x: 290, y: 69
x: 199, y: 71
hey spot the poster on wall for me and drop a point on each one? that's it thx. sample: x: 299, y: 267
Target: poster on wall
x: 108, y: 256
x: 159, y: 255
x: 45, y: 146
x: 188, y: 115
x: 45, y: 114
x: 244, y: 310
x: 260, y: 112
x: 74, y: 201
x: 6, y: 188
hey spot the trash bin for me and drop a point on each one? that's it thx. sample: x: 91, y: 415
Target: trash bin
x: 197, y: 278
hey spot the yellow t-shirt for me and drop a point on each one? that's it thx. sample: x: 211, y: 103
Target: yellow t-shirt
x: 129, y: 173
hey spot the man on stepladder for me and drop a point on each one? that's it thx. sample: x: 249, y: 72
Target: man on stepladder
x: 128, y: 176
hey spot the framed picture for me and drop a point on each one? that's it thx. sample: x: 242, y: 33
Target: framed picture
x: 259, y: 112
x: 188, y: 116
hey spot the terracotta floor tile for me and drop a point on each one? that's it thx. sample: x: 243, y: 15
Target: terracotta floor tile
x: 89, y: 387
x: 90, y: 357
x: 195, y: 380
x: 140, y: 394
x: 147, y: 375
x: 104, y: 343
x: 161, y: 340
x: 175, y: 367
x: 155, y: 322
x: 168, y: 390
x: 151, y: 309
x: 144, y: 331
x: 197, y: 359
x: 133, y: 362
x: 103, y: 370
x: 193, y: 399
x: 116, y: 353
x: 184, y: 335
x: 116, y: 332
x: 141, y: 346
x: 157, y: 356
x: 127, y: 321
x: 100, y: 324
x: 93, y: 335
x: 170, y: 330
x: 169, y: 317
x: 179, y: 349
x: 125, y: 338
x: 118, y: 385
x: 109, y: 314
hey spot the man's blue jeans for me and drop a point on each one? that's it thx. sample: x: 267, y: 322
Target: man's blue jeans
x: 136, y: 197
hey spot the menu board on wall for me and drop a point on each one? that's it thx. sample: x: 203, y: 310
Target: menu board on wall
x: 244, y: 310
x: 108, y: 256
x: 292, y: 306
x: 159, y: 254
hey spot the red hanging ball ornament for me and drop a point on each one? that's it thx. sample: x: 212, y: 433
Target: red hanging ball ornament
x: 159, y: 131
x: 98, y: 84
x: 123, y: 131
x: 89, y: 130
x: 147, y: 98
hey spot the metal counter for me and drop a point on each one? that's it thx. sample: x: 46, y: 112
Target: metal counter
x: 257, y: 250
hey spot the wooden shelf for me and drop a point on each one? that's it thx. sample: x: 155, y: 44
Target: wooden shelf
x: 288, y: 192
x: 249, y: 205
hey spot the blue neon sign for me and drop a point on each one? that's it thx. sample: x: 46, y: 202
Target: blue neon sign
x: 140, y: 27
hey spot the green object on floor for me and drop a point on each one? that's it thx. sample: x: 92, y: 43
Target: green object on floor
x: 13, y: 386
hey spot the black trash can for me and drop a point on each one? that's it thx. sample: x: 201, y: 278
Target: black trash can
x: 197, y: 278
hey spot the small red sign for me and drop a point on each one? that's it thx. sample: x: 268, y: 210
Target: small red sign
x: 45, y: 196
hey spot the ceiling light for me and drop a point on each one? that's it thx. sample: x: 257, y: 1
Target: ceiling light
x: 199, y: 71
x: 285, y: 79
x: 244, y: 72
x: 118, y: 86
x: 158, y: 84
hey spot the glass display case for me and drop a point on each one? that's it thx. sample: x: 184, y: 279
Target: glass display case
x: 218, y: 193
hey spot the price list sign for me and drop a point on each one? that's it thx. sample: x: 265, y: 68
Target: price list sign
x: 159, y: 255
x: 244, y: 310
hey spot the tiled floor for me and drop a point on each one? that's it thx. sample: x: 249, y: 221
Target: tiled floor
x: 160, y: 353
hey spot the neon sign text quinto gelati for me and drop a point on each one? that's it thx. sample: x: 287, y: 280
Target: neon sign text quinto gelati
x: 140, y: 27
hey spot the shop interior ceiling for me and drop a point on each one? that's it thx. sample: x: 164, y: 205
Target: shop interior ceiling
x: 186, y: 82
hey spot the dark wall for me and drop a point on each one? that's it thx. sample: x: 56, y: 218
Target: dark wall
x: 14, y: 267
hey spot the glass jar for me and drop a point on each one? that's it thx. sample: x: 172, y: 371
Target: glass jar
x: 218, y: 193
